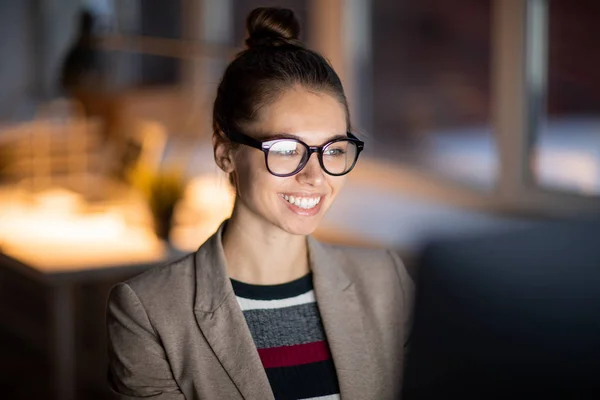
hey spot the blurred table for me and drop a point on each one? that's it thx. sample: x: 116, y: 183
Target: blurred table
x: 57, y: 337
x: 51, y: 247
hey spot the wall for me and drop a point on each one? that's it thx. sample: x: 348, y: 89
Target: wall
x: 57, y: 24
x: 15, y: 57
x: 34, y: 38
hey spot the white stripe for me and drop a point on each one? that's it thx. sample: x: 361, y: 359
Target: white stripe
x: 250, y: 304
x: 330, y: 397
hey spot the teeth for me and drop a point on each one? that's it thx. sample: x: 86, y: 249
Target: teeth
x: 303, y: 202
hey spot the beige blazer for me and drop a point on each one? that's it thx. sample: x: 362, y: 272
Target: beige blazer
x: 177, y: 332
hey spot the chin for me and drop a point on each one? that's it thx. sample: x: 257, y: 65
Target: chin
x: 301, y: 228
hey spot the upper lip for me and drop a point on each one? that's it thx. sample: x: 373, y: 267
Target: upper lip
x: 298, y: 194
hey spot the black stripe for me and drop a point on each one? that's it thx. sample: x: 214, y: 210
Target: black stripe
x: 273, y: 292
x: 285, y: 326
x: 304, y: 381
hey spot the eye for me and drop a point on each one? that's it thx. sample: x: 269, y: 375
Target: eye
x: 285, y: 148
x: 335, y: 152
x: 285, y: 153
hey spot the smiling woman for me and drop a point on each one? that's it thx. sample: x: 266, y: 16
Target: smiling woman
x: 310, y: 117
x: 262, y: 310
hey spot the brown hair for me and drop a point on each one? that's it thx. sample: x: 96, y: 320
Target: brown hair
x: 274, y: 60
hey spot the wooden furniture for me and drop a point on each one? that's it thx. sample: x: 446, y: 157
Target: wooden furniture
x: 59, y: 257
x: 60, y: 313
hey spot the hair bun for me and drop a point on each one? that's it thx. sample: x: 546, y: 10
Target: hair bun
x: 270, y: 27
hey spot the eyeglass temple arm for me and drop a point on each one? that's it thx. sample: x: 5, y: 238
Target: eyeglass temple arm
x: 243, y: 139
x: 360, y: 143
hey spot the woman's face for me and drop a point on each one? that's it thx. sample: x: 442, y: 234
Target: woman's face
x: 295, y: 204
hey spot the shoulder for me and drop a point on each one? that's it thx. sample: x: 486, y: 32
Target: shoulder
x: 369, y: 265
x: 174, y: 274
x: 380, y: 278
x: 367, y: 259
x: 159, y: 287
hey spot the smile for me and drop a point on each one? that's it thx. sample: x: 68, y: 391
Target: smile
x: 303, y: 202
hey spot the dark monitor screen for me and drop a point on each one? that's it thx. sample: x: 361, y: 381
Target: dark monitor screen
x: 512, y: 315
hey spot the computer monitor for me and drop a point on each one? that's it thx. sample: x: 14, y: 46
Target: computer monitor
x: 511, y: 315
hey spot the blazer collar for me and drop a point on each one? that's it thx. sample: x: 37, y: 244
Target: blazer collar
x: 224, y: 326
x: 222, y: 322
x: 343, y: 315
x: 212, y: 282
x: 213, y: 285
x: 326, y: 268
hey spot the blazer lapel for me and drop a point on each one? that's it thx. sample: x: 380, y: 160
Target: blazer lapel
x: 342, y: 319
x: 223, y: 324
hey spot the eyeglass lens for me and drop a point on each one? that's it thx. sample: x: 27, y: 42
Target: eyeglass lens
x: 287, y: 156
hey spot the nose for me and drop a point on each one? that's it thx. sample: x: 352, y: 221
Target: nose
x: 312, y: 173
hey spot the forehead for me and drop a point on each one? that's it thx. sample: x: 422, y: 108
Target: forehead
x: 313, y: 116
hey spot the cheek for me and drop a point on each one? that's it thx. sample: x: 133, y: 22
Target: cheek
x: 252, y: 173
x: 336, y: 183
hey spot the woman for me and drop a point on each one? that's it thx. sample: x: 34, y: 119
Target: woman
x: 262, y: 310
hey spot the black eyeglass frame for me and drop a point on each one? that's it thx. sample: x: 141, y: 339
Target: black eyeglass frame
x: 265, y: 146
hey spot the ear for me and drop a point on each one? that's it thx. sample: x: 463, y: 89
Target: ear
x: 223, y: 152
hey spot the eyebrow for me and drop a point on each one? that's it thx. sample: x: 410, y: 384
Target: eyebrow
x: 291, y: 136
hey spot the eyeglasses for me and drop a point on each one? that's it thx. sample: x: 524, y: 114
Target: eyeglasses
x: 286, y: 157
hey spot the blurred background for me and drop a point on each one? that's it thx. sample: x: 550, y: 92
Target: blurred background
x: 478, y: 116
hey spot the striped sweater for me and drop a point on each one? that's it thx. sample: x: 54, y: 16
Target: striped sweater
x: 286, y: 326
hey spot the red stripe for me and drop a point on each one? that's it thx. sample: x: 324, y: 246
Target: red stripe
x: 299, y: 354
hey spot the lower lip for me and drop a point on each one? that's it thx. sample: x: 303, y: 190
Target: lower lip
x: 303, y: 211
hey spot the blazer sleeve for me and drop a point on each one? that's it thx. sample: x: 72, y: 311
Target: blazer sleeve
x: 407, y: 287
x: 138, y: 366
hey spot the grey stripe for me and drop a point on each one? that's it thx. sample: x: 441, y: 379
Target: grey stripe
x: 285, y: 326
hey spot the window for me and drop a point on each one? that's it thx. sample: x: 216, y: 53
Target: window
x: 567, y: 138
x: 459, y: 97
x: 431, y: 87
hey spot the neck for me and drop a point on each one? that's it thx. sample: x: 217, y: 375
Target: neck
x: 257, y: 252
